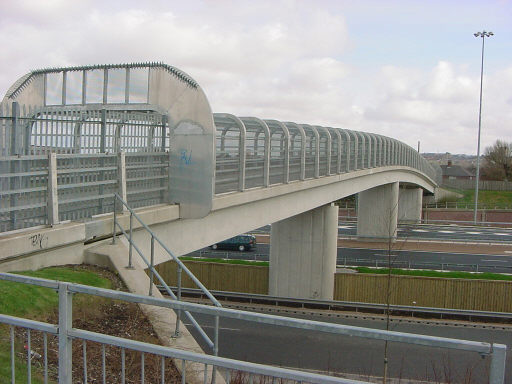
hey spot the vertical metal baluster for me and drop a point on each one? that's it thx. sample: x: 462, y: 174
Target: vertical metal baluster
x: 251, y: 378
x: 84, y: 350
x: 29, y: 359
x: 123, y: 358
x: 162, y: 369
x: 13, y: 374
x: 152, y: 265
x: 114, y: 223
x: 142, y: 367
x: 228, y: 376
x: 130, y: 265
x: 178, y: 314
x: 103, y: 367
x: 183, y: 372
x: 45, y: 346
x: 215, y: 346
x: 205, y: 378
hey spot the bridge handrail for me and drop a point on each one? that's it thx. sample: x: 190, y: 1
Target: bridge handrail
x: 153, y: 271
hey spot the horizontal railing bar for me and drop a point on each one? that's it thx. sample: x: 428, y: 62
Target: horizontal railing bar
x: 223, y: 362
x: 147, y: 178
x: 30, y: 324
x: 65, y: 156
x: 22, y: 207
x: 24, y: 174
x: 29, y: 280
x: 82, y: 170
x: 87, y: 198
x: 143, y: 166
x: 86, y: 184
x: 134, y: 192
x: 23, y: 190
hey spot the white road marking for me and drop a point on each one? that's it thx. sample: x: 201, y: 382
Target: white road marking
x: 501, y: 234
x: 446, y: 231
x: 474, y: 233
x: 419, y: 230
x: 345, y: 226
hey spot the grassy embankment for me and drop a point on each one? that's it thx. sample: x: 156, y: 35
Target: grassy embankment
x: 37, y: 303
x: 486, y: 198
x: 407, y: 272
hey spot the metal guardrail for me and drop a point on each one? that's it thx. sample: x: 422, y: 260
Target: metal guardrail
x: 66, y: 333
x: 359, y: 262
x: 214, y: 345
x: 351, y: 305
x: 407, y: 264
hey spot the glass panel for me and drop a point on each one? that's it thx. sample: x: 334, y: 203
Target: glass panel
x: 116, y: 85
x: 74, y: 87
x: 94, y: 86
x: 139, y: 85
x: 54, y: 88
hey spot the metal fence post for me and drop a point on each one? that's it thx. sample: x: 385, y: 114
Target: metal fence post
x: 121, y: 178
x: 178, y: 295
x: 114, y: 221
x: 130, y: 246
x: 215, y: 347
x: 65, y: 342
x: 152, y: 266
x: 14, y: 182
x: 497, y: 369
x: 52, y: 200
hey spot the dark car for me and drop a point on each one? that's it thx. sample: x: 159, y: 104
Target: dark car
x: 240, y: 242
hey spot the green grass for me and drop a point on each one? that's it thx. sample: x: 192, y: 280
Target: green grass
x: 225, y: 261
x: 427, y: 273
x: 37, y: 303
x: 487, y: 198
x: 405, y: 272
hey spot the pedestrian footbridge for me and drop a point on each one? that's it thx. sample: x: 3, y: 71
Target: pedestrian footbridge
x: 71, y: 138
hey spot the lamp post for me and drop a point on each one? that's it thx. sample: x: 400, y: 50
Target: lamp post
x: 483, y: 35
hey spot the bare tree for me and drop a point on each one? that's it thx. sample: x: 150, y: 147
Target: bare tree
x: 498, y: 161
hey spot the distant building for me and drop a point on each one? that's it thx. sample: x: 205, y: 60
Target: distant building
x: 456, y: 172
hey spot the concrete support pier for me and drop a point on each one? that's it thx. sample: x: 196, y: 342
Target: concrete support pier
x: 303, y: 253
x: 377, y: 212
x: 409, y: 205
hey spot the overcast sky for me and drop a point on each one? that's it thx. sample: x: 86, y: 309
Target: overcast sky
x: 406, y: 69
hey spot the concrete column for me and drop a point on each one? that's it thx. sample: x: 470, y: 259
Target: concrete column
x: 409, y: 205
x: 377, y: 212
x: 303, y: 252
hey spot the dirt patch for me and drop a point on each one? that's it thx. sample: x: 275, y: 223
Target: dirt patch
x: 109, y: 317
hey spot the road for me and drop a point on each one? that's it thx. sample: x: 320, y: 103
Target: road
x: 324, y: 352
x: 400, y: 258
x: 433, y: 232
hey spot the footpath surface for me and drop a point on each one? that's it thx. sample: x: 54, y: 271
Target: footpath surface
x: 419, y: 245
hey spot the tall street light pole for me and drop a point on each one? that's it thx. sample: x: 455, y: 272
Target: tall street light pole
x: 483, y: 35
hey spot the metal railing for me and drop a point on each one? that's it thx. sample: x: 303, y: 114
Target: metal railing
x: 66, y: 334
x: 251, y: 152
x: 408, y: 264
x: 356, y: 306
x: 361, y: 262
x: 214, y: 345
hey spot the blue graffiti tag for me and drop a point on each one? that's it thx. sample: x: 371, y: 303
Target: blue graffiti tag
x: 186, y: 157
